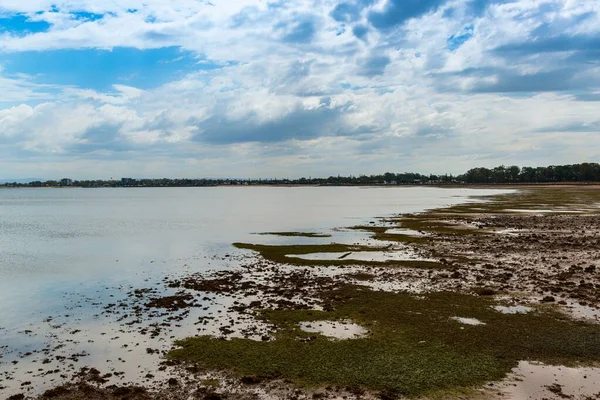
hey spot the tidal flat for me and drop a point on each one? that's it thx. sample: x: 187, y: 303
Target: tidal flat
x: 415, y: 317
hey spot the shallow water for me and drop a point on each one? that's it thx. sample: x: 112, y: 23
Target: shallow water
x: 468, y: 321
x: 513, y: 309
x: 586, y: 313
x: 407, y: 232
x: 532, y: 381
x: 509, y: 232
x: 337, y: 330
x: 378, y: 256
x: 65, y: 254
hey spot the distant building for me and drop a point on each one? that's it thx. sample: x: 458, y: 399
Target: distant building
x: 128, y: 182
x: 66, y: 182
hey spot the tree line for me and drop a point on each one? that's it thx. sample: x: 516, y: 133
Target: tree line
x: 585, y: 172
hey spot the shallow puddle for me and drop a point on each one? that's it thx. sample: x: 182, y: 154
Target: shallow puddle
x: 408, y: 232
x: 112, y: 339
x: 396, y: 255
x: 536, y: 381
x: 585, y: 313
x: 336, y: 330
x: 509, y: 232
x: 512, y: 309
x: 468, y: 321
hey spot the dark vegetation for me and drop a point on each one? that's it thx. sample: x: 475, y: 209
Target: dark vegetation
x: 415, y: 346
x: 585, y: 172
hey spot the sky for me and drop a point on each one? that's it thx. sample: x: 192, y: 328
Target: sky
x: 93, y: 89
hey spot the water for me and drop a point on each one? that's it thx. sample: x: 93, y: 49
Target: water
x: 534, y: 381
x: 378, y: 256
x: 407, y: 232
x: 512, y: 309
x: 67, y: 253
x: 468, y: 321
x: 335, y: 329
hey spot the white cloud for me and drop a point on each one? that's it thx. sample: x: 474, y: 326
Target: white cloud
x: 307, y: 106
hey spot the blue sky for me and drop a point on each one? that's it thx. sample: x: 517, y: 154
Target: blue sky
x: 99, y: 69
x: 22, y: 24
x: 93, y: 89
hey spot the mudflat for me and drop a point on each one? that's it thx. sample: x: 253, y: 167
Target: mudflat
x: 481, y: 293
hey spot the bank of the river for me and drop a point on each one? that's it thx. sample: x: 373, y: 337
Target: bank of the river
x: 439, y: 304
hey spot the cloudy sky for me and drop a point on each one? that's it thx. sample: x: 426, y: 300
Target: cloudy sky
x: 255, y: 88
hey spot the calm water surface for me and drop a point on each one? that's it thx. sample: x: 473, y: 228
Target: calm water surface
x: 59, y: 246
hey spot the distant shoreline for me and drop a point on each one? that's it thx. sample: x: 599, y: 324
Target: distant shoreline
x: 296, y: 185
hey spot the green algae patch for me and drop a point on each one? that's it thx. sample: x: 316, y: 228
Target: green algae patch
x: 415, y: 346
x: 284, y: 254
x: 559, y: 200
x: 432, y: 223
x: 297, y: 234
x: 214, y: 383
x: 454, y: 220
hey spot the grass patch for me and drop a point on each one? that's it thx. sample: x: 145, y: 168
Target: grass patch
x: 414, y: 348
x: 214, y: 383
x: 297, y: 234
x: 431, y: 223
